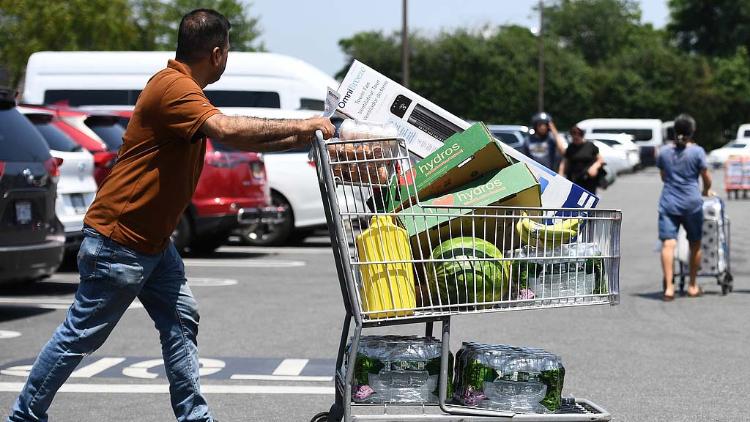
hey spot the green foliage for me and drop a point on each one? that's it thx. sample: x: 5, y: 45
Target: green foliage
x: 600, y: 61
x: 37, y: 25
x: 597, y: 29
x: 710, y: 27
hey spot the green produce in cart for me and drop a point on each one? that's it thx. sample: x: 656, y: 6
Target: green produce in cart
x: 467, y: 270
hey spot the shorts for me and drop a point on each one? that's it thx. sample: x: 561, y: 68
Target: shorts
x: 669, y: 225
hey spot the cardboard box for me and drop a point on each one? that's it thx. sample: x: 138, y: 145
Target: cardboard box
x: 428, y: 226
x: 365, y: 94
x: 463, y: 157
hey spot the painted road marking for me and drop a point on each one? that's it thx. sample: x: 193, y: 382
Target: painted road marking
x: 256, y: 263
x: 97, y: 367
x: 4, y: 334
x: 211, y: 282
x: 49, y: 303
x: 301, y: 250
x: 279, y: 378
x: 15, y: 387
x: 225, y: 368
x: 290, y: 367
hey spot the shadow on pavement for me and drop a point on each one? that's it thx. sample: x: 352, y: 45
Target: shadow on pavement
x: 41, y: 288
x: 10, y: 313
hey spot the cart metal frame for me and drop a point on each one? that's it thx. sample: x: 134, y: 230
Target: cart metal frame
x: 342, y: 408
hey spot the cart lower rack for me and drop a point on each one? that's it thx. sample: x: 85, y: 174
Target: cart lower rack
x: 401, y: 260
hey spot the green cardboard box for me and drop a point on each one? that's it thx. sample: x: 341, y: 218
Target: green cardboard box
x: 464, y: 157
x: 428, y: 226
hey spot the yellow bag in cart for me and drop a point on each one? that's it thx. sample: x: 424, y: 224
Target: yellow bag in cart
x: 388, y: 284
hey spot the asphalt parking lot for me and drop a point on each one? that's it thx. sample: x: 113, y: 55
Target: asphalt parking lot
x: 270, y: 322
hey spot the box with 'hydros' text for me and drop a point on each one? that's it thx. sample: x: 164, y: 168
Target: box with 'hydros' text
x: 464, y: 157
x: 367, y: 95
x: 428, y: 223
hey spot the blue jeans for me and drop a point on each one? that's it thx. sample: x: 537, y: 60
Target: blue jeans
x: 112, y: 276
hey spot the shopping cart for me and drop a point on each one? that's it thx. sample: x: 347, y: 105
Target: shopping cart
x: 737, y: 176
x: 363, y: 168
x: 716, y: 247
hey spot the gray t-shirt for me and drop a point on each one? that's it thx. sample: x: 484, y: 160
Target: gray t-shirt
x: 681, y: 194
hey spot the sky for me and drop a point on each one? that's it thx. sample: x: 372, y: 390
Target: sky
x: 310, y: 30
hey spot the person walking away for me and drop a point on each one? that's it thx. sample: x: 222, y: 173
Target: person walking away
x: 680, y: 204
x: 545, y: 145
x: 127, y: 252
x: 581, y: 161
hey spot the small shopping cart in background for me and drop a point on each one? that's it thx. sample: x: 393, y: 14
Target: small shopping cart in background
x: 388, y: 278
x: 716, y: 248
x: 737, y: 176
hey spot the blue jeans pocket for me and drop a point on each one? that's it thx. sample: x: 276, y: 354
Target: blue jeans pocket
x: 89, y: 263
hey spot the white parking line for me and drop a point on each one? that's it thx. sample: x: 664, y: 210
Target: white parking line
x: 4, y: 334
x: 97, y: 367
x: 301, y: 250
x: 279, y: 378
x: 49, y: 303
x: 14, y: 387
x: 211, y: 282
x: 291, y: 367
x: 259, y: 263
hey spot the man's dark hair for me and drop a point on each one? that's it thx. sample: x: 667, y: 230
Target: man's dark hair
x: 200, y: 32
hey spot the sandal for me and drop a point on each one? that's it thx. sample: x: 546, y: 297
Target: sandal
x: 667, y: 298
x: 699, y: 294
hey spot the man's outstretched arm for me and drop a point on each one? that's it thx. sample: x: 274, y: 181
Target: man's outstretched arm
x: 262, y: 135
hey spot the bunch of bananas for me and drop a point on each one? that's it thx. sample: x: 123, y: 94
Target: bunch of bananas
x: 548, y: 235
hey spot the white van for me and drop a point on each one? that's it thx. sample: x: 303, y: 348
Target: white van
x: 647, y: 133
x: 115, y: 78
x: 743, y: 131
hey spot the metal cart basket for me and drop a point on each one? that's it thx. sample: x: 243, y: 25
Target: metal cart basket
x: 577, y: 265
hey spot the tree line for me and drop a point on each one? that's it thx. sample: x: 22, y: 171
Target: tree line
x: 601, y: 60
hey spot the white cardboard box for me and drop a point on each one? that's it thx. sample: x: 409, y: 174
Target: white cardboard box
x: 367, y: 95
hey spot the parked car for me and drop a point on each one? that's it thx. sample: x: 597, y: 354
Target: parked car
x: 515, y: 136
x: 115, y: 78
x: 76, y: 186
x: 621, y: 142
x: 98, y: 132
x: 617, y: 160
x: 738, y: 147
x: 32, y: 239
x: 743, y: 131
x: 648, y: 134
x: 232, y: 193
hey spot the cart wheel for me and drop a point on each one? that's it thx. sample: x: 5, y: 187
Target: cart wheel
x: 320, y: 417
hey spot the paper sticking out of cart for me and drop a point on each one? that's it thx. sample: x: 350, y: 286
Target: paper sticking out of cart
x: 461, y: 230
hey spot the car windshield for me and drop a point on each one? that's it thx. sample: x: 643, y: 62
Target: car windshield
x: 640, y: 135
x: 609, y: 142
x: 57, y: 139
x: 110, y: 132
x: 19, y: 141
x: 736, y: 145
x: 506, y: 137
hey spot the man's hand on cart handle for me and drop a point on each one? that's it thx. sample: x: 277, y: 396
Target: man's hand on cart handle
x: 262, y: 135
x: 709, y: 193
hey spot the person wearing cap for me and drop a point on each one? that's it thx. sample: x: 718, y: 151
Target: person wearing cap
x: 581, y: 161
x: 127, y: 252
x: 681, y: 165
x: 544, y: 145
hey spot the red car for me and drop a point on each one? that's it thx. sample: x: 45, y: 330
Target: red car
x: 232, y: 192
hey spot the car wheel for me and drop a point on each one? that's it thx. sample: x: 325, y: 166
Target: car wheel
x: 182, y: 234
x: 270, y: 234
